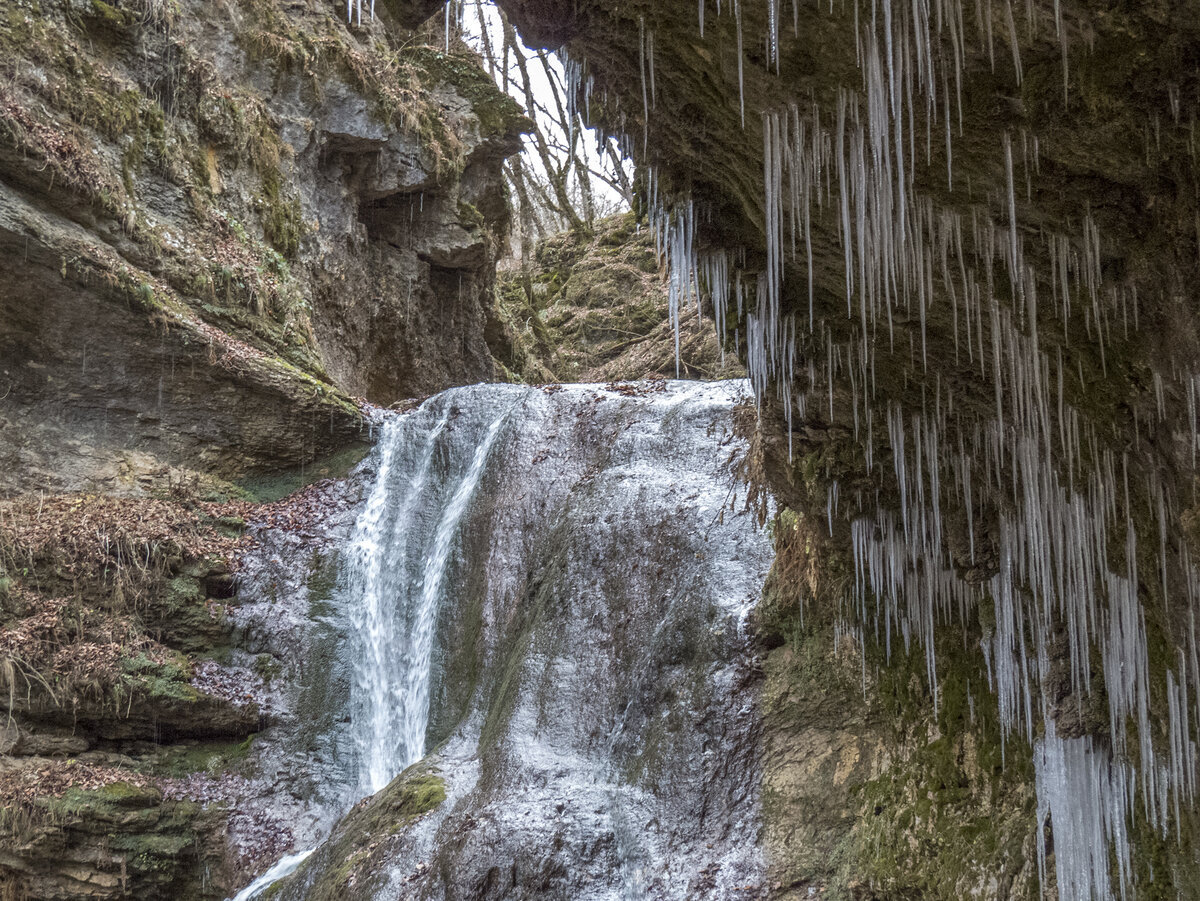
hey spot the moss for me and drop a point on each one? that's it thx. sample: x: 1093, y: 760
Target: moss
x: 282, y: 219
x: 505, y: 691
x: 238, y: 122
x: 470, y: 216
x: 952, y: 813
x: 267, y: 667
x: 357, y: 853
x: 594, y: 308
x: 183, y: 591
x: 459, y: 668
x: 276, y: 485
x: 200, y: 757
x: 942, y: 818
x: 81, y: 89
x: 105, y: 17
x: 230, y: 526
x: 115, y: 802
x: 948, y: 808
x: 498, y: 113
x: 161, y: 682
x: 416, y: 797
x: 809, y: 687
x: 507, y: 672
x: 153, y: 851
x: 154, y: 847
x: 181, y: 616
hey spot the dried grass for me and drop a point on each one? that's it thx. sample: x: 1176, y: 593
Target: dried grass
x: 82, y: 569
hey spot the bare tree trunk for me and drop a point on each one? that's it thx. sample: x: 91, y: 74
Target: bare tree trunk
x: 556, y: 171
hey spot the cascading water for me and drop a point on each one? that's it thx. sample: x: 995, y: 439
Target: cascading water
x: 546, y: 591
x: 397, y: 571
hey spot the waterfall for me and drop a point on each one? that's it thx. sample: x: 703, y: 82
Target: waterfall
x: 396, y: 572
x: 377, y: 681
x: 544, y: 595
x: 283, y: 868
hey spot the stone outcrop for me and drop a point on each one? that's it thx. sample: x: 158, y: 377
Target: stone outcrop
x: 119, y: 840
x: 219, y: 223
x: 594, y: 308
x: 112, y: 613
x: 592, y: 721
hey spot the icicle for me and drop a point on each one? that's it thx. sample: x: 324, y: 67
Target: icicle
x: 1082, y: 795
x: 773, y: 33
x: 1012, y: 37
x: 1014, y: 257
x: 645, y: 88
x: 650, y: 64
x: 737, y: 14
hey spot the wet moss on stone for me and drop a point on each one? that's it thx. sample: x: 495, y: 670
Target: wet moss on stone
x: 356, y: 855
x: 275, y: 485
x: 213, y: 758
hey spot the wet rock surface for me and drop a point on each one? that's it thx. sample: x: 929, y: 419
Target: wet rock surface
x: 593, y: 714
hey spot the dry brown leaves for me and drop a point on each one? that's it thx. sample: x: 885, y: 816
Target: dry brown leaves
x: 226, y: 351
x: 63, y: 645
x: 651, y: 385
x: 87, y: 531
x: 59, y: 550
x: 44, y: 137
x: 23, y: 782
x: 301, y: 511
x: 81, y: 563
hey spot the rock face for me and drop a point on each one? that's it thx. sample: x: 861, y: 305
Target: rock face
x: 103, y: 624
x: 218, y: 222
x: 869, y: 182
x: 955, y: 246
x: 116, y: 841
x: 572, y: 567
x: 416, y: 314
x: 596, y: 308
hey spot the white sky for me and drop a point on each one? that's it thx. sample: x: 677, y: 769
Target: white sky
x: 607, y: 199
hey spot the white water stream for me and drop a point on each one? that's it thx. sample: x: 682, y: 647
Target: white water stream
x: 397, y: 571
x: 391, y: 553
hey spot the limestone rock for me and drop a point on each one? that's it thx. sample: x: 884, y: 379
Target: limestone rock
x: 209, y: 244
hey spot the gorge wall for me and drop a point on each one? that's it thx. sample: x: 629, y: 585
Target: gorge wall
x: 221, y: 222
x: 956, y: 245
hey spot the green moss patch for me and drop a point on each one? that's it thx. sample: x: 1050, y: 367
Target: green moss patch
x: 356, y: 856
x: 274, y: 486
